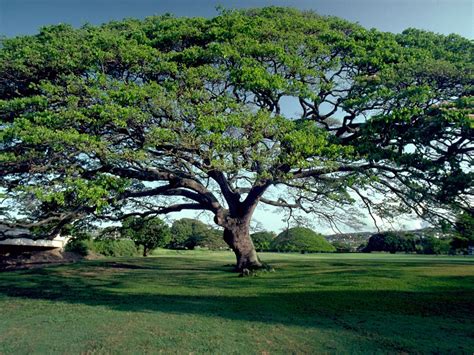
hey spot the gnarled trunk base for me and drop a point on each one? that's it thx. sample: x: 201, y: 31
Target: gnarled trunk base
x: 247, y: 260
x: 238, y: 238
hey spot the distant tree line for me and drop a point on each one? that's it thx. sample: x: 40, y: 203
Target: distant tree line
x: 396, y: 242
x: 142, y: 235
x: 457, y: 240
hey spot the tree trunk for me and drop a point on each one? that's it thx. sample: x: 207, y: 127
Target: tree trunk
x: 237, y: 236
x: 145, y: 251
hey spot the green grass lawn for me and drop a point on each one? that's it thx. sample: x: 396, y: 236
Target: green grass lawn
x: 190, y: 302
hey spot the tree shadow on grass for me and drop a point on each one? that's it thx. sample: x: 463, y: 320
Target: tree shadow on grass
x: 114, y: 284
x: 147, y: 287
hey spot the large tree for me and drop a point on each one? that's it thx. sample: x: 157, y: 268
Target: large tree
x: 272, y: 106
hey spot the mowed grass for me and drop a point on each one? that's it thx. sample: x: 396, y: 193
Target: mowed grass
x: 190, y: 302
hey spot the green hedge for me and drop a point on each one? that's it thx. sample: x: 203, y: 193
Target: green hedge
x: 78, y: 246
x: 115, y: 247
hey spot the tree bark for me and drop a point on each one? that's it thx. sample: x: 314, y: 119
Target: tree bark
x: 237, y: 236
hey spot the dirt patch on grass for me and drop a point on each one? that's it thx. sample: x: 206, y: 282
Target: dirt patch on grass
x: 94, y: 272
x: 98, y: 271
x: 39, y: 259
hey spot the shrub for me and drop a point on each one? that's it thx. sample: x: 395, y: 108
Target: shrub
x: 301, y: 239
x: 77, y: 246
x: 263, y: 240
x: 110, y: 247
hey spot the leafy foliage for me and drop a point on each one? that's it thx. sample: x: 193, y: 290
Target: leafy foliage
x: 342, y: 247
x: 464, y: 231
x: 77, y: 246
x: 166, y: 114
x: 301, y: 239
x: 212, y: 240
x: 263, y: 240
x: 150, y: 233
x: 188, y: 233
x: 432, y: 245
x: 112, y: 247
x: 390, y: 242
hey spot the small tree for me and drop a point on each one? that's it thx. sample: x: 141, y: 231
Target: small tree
x: 150, y: 233
x: 263, y: 240
x: 464, y: 231
x: 188, y: 233
x: 212, y: 240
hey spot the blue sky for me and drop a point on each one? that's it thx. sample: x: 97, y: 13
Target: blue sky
x: 443, y: 16
x: 18, y: 17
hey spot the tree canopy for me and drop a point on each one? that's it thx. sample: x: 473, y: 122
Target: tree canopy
x: 150, y: 233
x: 272, y: 105
x: 188, y: 233
x: 391, y: 242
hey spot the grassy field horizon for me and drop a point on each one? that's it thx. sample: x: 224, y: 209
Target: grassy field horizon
x: 191, y: 302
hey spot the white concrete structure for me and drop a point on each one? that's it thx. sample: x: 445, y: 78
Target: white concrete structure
x: 58, y: 242
x: 18, y: 237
